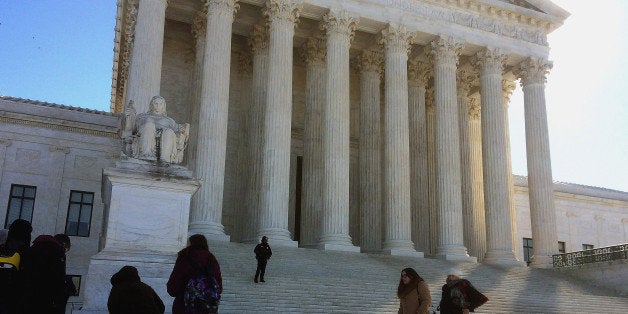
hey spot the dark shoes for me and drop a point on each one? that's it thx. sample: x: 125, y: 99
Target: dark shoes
x: 255, y: 280
x: 262, y: 280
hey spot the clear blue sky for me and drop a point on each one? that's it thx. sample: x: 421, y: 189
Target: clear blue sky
x: 61, y: 51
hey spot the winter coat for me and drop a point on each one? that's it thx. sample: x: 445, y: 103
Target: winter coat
x: 184, y: 269
x: 129, y: 295
x: 42, y: 277
x: 416, y: 300
x: 458, y: 295
x: 262, y: 251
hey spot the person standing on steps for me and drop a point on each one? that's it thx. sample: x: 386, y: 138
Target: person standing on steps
x: 262, y: 254
x: 413, y: 293
x: 459, y: 296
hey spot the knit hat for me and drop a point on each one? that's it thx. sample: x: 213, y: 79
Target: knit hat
x: 454, y: 271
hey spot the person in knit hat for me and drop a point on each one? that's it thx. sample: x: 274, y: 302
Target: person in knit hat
x: 459, y: 296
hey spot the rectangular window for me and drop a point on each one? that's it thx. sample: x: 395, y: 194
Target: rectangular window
x: 21, y: 204
x: 527, y: 250
x: 79, y: 213
x: 76, y: 280
x: 561, y: 247
x: 587, y: 247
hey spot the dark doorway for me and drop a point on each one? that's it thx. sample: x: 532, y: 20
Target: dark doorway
x: 297, y: 199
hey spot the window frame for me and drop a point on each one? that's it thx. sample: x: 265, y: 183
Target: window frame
x: 587, y: 246
x: 21, y: 198
x: 81, y: 204
x: 562, y: 247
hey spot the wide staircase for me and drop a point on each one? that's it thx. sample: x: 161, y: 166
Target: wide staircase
x: 313, y: 281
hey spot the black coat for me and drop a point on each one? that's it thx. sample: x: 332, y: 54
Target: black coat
x: 459, y: 295
x: 262, y: 251
x: 129, y: 295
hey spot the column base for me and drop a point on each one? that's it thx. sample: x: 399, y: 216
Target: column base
x: 277, y: 237
x: 211, y: 230
x: 400, y: 248
x: 454, y: 253
x: 337, y: 243
x: 502, y: 259
x: 542, y: 261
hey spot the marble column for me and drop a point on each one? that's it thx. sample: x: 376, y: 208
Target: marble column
x: 508, y: 86
x: 540, y: 186
x: 199, y: 28
x: 418, y: 74
x: 370, y: 69
x: 478, y: 217
x: 144, y: 78
x: 206, y: 209
x: 431, y: 169
x: 340, y: 27
x: 465, y: 79
x: 499, y: 248
x: 275, y: 196
x: 396, y: 165
x: 445, y: 52
x: 313, y: 53
x: 259, y: 47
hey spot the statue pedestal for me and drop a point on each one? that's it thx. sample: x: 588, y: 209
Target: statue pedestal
x: 146, y: 224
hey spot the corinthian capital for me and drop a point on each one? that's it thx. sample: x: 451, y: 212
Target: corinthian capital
x: 445, y: 49
x: 490, y: 60
x: 533, y: 71
x: 474, y: 108
x: 314, y: 50
x: 419, y: 72
x: 396, y: 38
x: 259, y: 38
x: 199, y: 25
x: 370, y: 61
x: 466, y: 77
x: 222, y: 7
x: 282, y: 10
x: 508, y: 86
x: 339, y: 22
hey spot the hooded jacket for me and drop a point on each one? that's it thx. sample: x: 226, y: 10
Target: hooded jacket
x: 130, y: 295
x: 184, y: 269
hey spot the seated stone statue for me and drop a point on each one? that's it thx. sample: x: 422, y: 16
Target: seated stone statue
x: 154, y: 135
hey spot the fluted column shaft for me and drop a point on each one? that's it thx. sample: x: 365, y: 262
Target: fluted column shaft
x: 478, y: 218
x: 418, y: 73
x: 259, y: 47
x: 431, y: 169
x: 540, y: 185
x: 339, y: 27
x: 315, y: 88
x: 274, y: 198
x: 199, y: 32
x: 508, y: 86
x: 496, y: 191
x: 206, y: 211
x: 397, y: 234
x: 145, y: 68
x: 370, y: 152
x: 448, y: 195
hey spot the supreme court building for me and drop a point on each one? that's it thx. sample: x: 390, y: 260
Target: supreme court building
x: 353, y: 125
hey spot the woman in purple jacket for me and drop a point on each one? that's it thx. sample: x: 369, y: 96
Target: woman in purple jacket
x: 195, y: 255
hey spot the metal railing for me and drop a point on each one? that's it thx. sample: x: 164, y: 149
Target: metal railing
x: 603, y: 254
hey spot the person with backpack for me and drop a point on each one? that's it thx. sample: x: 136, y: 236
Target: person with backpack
x: 42, y: 277
x: 413, y: 293
x: 196, y: 281
x: 70, y: 288
x: 459, y: 296
x: 11, y: 252
x: 262, y: 255
x: 129, y: 295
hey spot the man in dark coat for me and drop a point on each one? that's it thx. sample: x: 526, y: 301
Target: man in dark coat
x: 262, y: 254
x: 459, y: 296
x: 130, y: 295
x: 17, y: 241
x: 42, y: 277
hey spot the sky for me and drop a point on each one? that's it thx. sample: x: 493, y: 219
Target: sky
x: 61, y: 51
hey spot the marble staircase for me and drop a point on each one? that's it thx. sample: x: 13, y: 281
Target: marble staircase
x: 312, y: 281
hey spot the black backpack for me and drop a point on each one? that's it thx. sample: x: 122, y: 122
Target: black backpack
x: 9, y: 266
x: 202, y: 292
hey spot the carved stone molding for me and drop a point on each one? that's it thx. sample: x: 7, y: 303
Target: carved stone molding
x: 314, y: 50
x: 282, y: 10
x: 466, y: 77
x: 419, y: 72
x: 396, y: 38
x: 533, y: 71
x: 490, y: 60
x: 370, y: 61
x: 226, y: 8
x: 129, y: 37
x: 445, y: 50
x: 259, y: 38
x: 508, y: 86
x: 113, y: 134
x: 60, y: 149
x: 340, y: 22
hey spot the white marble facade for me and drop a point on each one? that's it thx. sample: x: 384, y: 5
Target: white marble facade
x: 363, y: 100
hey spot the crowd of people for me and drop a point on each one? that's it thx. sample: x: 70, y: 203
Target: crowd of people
x: 35, y: 281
